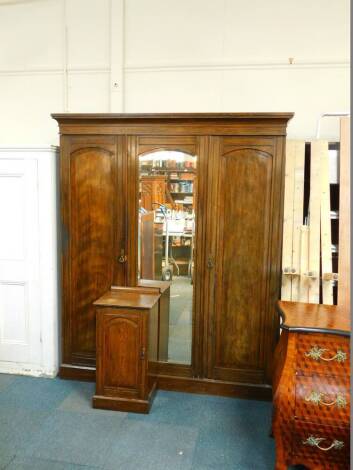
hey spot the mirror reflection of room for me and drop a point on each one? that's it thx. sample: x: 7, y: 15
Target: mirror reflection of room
x: 166, y: 242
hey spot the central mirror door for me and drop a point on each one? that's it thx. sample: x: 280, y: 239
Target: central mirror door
x: 166, y: 244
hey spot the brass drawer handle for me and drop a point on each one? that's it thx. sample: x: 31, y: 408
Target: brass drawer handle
x: 316, y: 353
x: 318, y: 399
x: 315, y: 442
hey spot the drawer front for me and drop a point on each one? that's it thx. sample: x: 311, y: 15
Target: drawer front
x: 320, y: 443
x: 323, y: 354
x: 323, y: 399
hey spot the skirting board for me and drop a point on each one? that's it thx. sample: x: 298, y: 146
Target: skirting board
x: 214, y: 387
x: 16, y: 368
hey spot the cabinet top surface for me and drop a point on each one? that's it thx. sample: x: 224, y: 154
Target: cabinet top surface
x: 314, y: 318
x: 161, y: 285
x: 174, y: 116
x: 128, y: 299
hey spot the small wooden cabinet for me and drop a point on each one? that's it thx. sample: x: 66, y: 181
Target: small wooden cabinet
x: 311, y: 387
x: 127, y: 338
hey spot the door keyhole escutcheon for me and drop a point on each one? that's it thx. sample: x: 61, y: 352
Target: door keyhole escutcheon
x: 210, y: 262
x: 122, y: 258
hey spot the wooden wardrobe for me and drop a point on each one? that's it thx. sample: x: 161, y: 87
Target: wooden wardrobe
x: 240, y: 178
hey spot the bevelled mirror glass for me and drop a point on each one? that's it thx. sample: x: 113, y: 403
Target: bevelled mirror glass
x: 167, y: 196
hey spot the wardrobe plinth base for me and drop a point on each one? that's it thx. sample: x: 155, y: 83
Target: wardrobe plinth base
x: 82, y: 373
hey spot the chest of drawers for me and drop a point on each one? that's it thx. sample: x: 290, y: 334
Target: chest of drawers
x: 311, y: 387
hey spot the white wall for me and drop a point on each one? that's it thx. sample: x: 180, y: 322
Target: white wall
x: 167, y: 55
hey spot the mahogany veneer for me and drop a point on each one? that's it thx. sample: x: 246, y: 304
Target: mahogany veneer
x: 298, y: 316
x: 311, y: 387
x: 127, y: 338
x: 237, y: 262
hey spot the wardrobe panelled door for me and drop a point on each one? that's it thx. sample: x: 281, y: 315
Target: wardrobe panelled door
x: 90, y: 209
x: 244, y: 213
x: 188, y: 204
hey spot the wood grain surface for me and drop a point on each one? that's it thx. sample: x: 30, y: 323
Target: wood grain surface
x: 127, y: 298
x: 305, y: 316
x: 237, y: 264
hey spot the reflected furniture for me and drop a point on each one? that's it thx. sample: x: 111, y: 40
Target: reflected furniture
x: 151, y: 246
x: 163, y: 289
x: 153, y: 191
x: 238, y: 236
x: 127, y: 339
x: 176, y: 179
x: 311, y: 387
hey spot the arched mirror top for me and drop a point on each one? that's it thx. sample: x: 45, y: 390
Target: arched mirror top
x: 166, y: 154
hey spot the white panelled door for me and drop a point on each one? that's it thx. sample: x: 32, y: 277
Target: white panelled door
x: 20, y: 318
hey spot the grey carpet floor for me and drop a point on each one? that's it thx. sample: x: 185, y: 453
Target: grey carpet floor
x: 49, y: 424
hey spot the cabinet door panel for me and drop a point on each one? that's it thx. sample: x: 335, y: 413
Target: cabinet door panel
x: 122, y: 345
x: 241, y: 220
x: 89, y: 262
